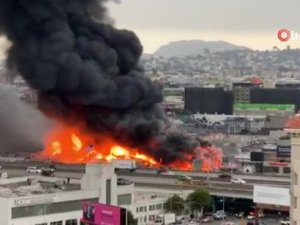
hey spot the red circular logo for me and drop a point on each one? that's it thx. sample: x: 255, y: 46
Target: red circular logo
x: 284, y: 35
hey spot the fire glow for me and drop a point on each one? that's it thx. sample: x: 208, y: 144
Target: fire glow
x: 73, y: 146
x: 70, y: 145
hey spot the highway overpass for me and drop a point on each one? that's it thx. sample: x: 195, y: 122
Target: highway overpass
x: 147, y: 179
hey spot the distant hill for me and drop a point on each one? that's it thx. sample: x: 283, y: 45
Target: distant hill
x: 194, y: 47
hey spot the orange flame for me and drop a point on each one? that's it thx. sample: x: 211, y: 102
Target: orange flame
x: 212, y: 158
x: 77, y: 145
x: 70, y: 145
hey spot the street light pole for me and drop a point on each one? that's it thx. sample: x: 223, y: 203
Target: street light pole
x: 231, y: 169
x: 223, y: 208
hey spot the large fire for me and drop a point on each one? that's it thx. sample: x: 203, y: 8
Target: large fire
x: 71, y: 145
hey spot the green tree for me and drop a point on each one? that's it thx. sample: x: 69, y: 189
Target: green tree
x: 130, y: 219
x: 198, y: 200
x: 174, y: 204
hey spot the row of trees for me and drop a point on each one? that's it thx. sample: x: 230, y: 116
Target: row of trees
x: 196, y: 202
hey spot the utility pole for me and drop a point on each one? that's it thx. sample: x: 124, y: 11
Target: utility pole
x: 223, y: 208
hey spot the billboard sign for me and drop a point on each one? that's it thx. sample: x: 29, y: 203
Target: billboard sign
x: 102, y: 214
x: 284, y: 151
x: 271, y: 195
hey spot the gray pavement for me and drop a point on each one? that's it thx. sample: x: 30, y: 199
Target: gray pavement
x: 266, y: 221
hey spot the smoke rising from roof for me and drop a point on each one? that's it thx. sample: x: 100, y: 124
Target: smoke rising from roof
x: 22, y: 127
x: 85, y: 69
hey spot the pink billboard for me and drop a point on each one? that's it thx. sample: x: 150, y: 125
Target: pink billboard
x: 101, y: 214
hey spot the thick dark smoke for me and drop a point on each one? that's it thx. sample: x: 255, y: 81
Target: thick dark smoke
x: 85, y: 69
x: 22, y: 127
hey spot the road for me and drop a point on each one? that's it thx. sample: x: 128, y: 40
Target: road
x: 265, y: 221
x: 160, y: 182
x: 150, y: 172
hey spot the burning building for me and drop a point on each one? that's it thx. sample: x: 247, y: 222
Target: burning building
x: 88, y: 78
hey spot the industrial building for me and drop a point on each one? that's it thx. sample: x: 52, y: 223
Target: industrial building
x: 276, y: 96
x: 208, y: 100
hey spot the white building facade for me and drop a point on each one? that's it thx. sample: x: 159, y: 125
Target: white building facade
x: 43, y: 203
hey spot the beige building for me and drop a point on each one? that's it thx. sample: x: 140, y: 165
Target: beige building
x: 293, y: 128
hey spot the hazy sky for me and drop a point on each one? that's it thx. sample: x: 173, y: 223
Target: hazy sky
x: 252, y: 23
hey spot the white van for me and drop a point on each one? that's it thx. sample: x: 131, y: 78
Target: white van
x: 124, y: 164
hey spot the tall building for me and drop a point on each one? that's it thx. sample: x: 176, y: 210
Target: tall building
x: 292, y: 127
x: 208, y: 100
x: 241, y: 90
x: 276, y: 96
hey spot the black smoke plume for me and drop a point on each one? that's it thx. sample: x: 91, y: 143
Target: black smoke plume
x: 85, y: 69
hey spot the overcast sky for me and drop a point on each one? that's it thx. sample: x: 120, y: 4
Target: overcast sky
x: 252, y: 23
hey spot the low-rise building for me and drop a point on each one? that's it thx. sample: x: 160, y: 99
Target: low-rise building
x: 53, y: 201
x: 39, y: 200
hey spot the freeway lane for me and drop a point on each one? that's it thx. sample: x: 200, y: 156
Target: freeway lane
x: 158, y: 179
x: 213, y: 177
x: 163, y: 185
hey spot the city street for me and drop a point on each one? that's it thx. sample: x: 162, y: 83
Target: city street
x: 266, y: 221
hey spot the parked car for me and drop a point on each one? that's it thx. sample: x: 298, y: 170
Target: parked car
x: 207, y: 219
x: 34, y: 169
x: 48, y: 172
x: 239, y: 214
x: 285, y: 221
x: 122, y: 181
x: 219, y: 215
x: 251, y: 215
x: 238, y: 181
x: 60, y: 185
x: 225, y: 176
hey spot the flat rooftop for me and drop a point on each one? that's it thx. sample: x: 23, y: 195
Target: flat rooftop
x: 142, y: 196
x: 29, y: 186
